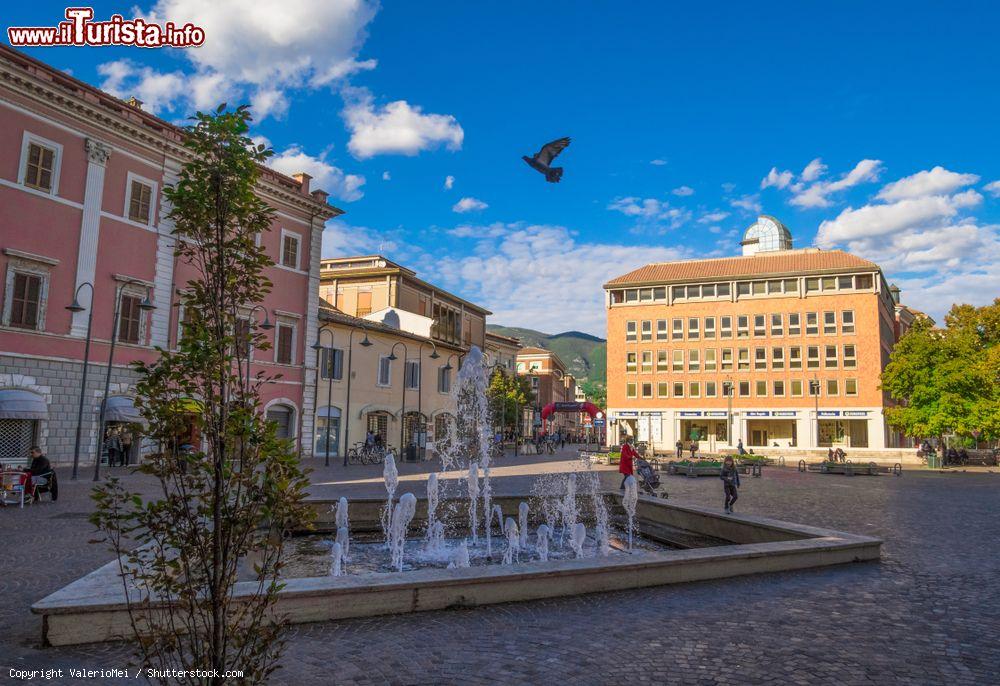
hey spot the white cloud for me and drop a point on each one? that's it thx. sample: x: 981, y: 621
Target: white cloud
x: 993, y: 188
x: 683, y: 191
x: 776, y: 179
x: 713, y: 217
x: 728, y: 187
x: 749, y: 203
x: 813, y: 170
x: 652, y: 214
x: 395, y: 128
x: 878, y: 220
x: 937, y: 181
x: 325, y: 176
x: 268, y: 102
x: 386, y: 176
x: 449, y: 182
x: 816, y: 194
x: 469, y: 205
x: 657, y: 162
x: 158, y: 91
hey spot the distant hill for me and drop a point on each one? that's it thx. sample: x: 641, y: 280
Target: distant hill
x: 585, y: 356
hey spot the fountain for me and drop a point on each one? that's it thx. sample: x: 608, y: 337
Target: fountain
x: 579, y: 537
x: 542, y: 543
x: 337, y: 555
x: 513, y: 541
x: 344, y: 540
x: 473, y: 483
x: 629, y: 502
x: 461, y: 558
x: 522, y: 524
x: 390, y: 476
x: 401, y: 517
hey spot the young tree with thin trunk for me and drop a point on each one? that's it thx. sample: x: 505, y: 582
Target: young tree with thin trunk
x: 224, y: 504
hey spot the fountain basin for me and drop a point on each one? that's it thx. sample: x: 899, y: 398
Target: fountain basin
x: 92, y: 609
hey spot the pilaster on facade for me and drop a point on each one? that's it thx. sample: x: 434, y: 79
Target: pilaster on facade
x: 164, y: 278
x: 98, y: 154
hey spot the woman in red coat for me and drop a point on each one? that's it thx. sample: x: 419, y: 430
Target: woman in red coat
x: 626, y: 465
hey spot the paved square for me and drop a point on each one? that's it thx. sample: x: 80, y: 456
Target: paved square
x: 928, y: 614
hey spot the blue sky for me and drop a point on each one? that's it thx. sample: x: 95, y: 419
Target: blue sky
x: 865, y: 126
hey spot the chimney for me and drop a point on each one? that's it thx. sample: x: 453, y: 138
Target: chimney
x: 894, y: 291
x: 320, y: 195
x: 303, y: 180
x: 134, y: 102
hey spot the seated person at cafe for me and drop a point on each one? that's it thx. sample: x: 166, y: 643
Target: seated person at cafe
x: 42, y: 473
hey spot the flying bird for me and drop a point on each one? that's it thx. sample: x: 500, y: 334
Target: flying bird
x: 543, y: 159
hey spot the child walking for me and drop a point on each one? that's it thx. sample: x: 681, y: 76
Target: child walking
x: 730, y: 481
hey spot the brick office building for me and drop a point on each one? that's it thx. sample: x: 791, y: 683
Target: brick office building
x: 773, y: 326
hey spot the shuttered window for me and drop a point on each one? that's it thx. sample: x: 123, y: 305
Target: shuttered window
x: 26, y: 301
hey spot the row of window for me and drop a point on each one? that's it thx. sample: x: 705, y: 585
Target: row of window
x: 762, y: 287
x: 331, y: 366
x: 777, y: 388
x: 760, y: 325
x: 759, y: 359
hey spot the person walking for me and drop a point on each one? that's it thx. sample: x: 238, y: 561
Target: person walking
x: 730, y: 482
x: 693, y: 448
x: 126, y: 448
x: 626, y: 465
x: 739, y: 447
x: 680, y: 449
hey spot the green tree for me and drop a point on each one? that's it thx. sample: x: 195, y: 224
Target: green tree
x: 507, y: 394
x: 947, y: 380
x: 219, y: 514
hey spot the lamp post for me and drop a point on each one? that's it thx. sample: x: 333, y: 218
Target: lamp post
x: 350, y: 358
x: 75, y: 306
x: 146, y: 305
x: 814, y: 389
x: 420, y: 391
x: 318, y: 347
x: 402, y: 402
x: 266, y: 325
x: 727, y: 390
x: 503, y: 409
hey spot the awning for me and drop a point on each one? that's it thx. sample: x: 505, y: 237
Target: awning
x: 17, y: 404
x: 122, y: 409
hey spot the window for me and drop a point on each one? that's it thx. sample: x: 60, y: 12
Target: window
x: 722, y: 290
x: 645, y: 295
x: 812, y: 357
x: 829, y: 323
x: 411, y: 372
x: 727, y: 359
x: 630, y: 390
x: 863, y: 282
x: 678, y: 389
x: 794, y: 324
x: 284, y: 339
x: 743, y: 361
x: 694, y: 291
x: 845, y: 283
x: 710, y: 360
x: 725, y: 327
x: 758, y: 325
x: 661, y: 329
x: 40, y: 163
x: 444, y: 380
x: 744, y: 389
x: 831, y: 387
x: 290, y: 252
x: 26, y: 301
x: 796, y: 387
x: 677, y: 327
x: 847, y: 321
x: 709, y: 389
x: 850, y: 357
x: 829, y: 283
x: 778, y: 388
x: 630, y: 331
x: 139, y: 201
x: 791, y: 285
x: 647, y: 361
x: 129, y: 319
x: 631, y: 295
x: 693, y: 326
x: 662, y: 389
x: 743, y: 288
x: 281, y: 416
x: 743, y: 326
x: 385, y: 371
x: 660, y: 293
x: 647, y: 330
x: 678, y: 361
x: 630, y: 361
x: 694, y: 360
x: 774, y: 287
x: 662, y: 364
x: 694, y: 389
x: 812, y: 324
x: 795, y: 357
x: 647, y: 390
x: 850, y: 386
x: 709, y: 327
x: 708, y: 290
x: 760, y: 388
x: 812, y: 285
x: 777, y: 325
x: 331, y: 364
x: 679, y: 292
x: 830, y: 357
x: 365, y: 304
x: 777, y: 358
x: 617, y: 297
x: 758, y: 288
x: 760, y: 359
x: 242, y: 337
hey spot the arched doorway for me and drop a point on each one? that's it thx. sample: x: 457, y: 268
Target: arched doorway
x: 414, y: 432
x: 283, y: 418
x: 327, y: 417
x: 378, y: 425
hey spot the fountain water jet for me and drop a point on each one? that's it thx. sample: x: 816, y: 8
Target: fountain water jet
x: 473, y: 484
x: 629, y: 501
x: 336, y: 562
x: 344, y: 539
x: 513, y: 541
x: 401, y: 516
x: 390, y: 475
x: 522, y: 524
x: 579, y: 536
x: 542, y: 542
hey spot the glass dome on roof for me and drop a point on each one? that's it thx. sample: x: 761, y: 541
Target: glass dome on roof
x: 765, y: 235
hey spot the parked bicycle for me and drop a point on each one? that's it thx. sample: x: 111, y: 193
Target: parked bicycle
x: 368, y: 454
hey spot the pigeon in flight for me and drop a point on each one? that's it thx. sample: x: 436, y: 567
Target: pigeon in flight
x: 543, y: 158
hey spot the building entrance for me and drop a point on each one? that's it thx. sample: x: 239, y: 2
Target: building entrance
x: 769, y: 433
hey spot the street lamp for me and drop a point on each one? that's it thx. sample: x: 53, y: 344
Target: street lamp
x: 420, y: 390
x: 318, y: 347
x: 727, y: 390
x: 402, y: 402
x: 146, y: 305
x: 814, y: 389
x: 74, y: 307
x: 266, y: 325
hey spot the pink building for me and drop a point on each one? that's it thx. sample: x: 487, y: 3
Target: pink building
x: 81, y: 175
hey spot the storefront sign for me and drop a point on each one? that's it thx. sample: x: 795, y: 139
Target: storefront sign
x: 651, y: 414
x: 855, y: 413
x: 785, y: 413
x: 758, y: 413
x: 829, y: 413
x: 627, y: 414
x: 689, y: 414
x: 716, y: 413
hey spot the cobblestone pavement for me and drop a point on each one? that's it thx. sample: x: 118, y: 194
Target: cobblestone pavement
x: 929, y: 613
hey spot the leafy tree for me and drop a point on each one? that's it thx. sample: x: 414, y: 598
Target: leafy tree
x: 219, y: 513
x: 507, y: 394
x: 948, y: 380
x: 596, y: 392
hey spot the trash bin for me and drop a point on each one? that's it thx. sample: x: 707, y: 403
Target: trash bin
x: 411, y: 453
x: 933, y: 461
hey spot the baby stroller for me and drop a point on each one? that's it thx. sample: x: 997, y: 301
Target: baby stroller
x: 649, y: 480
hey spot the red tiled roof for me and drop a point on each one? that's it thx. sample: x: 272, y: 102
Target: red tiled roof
x: 761, y: 264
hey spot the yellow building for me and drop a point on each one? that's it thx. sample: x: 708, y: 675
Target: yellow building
x: 502, y: 350
x: 550, y: 383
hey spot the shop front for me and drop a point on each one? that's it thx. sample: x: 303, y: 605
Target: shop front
x: 708, y: 428
x: 626, y: 423
x: 771, y: 428
x: 843, y: 428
